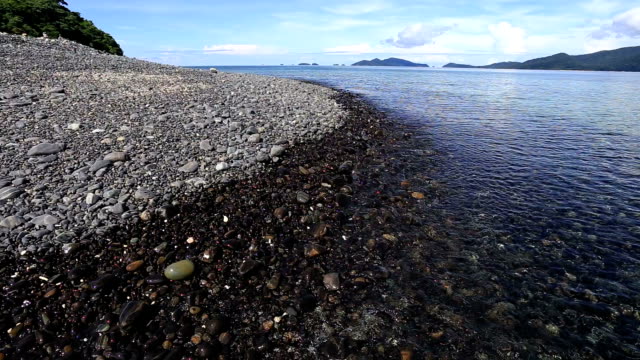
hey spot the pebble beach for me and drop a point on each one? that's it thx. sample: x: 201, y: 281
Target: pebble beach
x: 150, y: 211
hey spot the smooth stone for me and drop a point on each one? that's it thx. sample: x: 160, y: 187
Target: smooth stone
x: 99, y: 164
x: 189, y: 167
x: 73, y: 126
x: 206, y: 145
x: 131, y: 312
x: 143, y: 194
x: 179, y: 270
x: 116, y: 156
x: 254, y: 138
x: 213, y: 70
x: 276, y: 150
x: 247, y: 266
x: 117, y: 208
x: 12, y: 222
x: 70, y: 248
x: 222, y: 166
x: 135, y: 265
x: 45, y: 149
x: 302, y: 197
x: 331, y: 281
x: 44, y: 220
x: 91, y: 198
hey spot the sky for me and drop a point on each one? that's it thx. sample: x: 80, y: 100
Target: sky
x: 259, y: 32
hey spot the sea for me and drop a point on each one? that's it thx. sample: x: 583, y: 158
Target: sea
x: 540, y: 166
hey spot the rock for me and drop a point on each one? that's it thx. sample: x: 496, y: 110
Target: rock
x: 255, y: 138
x: 12, y: 222
x: 131, y: 312
x: 280, y: 213
x: 221, y: 166
x: 99, y: 164
x: 213, y: 70
x: 302, y: 197
x: 191, y: 166
x: 179, y: 270
x: 206, y: 145
x: 417, y: 195
x: 44, y: 220
x: 247, y: 266
x: 10, y: 192
x: 143, y: 194
x: 331, y: 281
x: 116, y: 156
x: 262, y: 157
x: 311, y: 250
x: 273, y: 283
x: 56, y: 90
x: 73, y: 126
x: 133, y: 266
x: 146, y: 215
x: 117, y: 208
x: 276, y: 150
x: 70, y: 248
x: 92, y: 198
x: 45, y: 149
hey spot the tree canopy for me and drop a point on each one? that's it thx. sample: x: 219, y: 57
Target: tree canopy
x: 35, y: 17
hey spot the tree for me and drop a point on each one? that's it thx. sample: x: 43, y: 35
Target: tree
x: 35, y: 17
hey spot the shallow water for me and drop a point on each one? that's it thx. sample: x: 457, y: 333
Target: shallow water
x: 541, y: 171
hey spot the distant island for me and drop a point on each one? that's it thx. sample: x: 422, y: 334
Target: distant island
x: 388, y: 62
x: 51, y: 18
x: 623, y: 59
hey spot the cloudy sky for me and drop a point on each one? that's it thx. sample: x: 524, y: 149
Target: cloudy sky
x: 255, y: 32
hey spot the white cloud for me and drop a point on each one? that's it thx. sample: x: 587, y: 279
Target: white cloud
x: 600, y: 6
x: 350, y: 49
x: 417, y: 35
x: 242, y: 49
x: 508, y: 39
x: 626, y: 24
x: 358, y: 8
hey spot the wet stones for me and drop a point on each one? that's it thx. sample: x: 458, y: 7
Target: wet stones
x: 133, y: 266
x: 45, y: 149
x: 331, y: 281
x: 313, y: 249
x: 132, y: 312
x: 247, y: 266
x: 302, y: 197
x: 273, y: 282
x: 179, y: 270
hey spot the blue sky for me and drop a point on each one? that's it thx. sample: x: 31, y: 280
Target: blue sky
x: 199, y: 32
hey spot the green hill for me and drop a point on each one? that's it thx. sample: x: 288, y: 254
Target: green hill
x: 35, y: 17
x: 623, y: 59
x: 388, y: 62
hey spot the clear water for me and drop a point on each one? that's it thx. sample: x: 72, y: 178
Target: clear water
x: 541, y: 164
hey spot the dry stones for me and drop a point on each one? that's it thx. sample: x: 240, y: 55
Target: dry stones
x: 45, y: 149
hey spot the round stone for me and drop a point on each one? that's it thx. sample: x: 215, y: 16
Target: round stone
x: 179, y: 270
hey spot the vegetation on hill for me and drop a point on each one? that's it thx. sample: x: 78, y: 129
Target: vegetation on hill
x: 623, y: 59
x: 35, y: 17
x: 388, y: 62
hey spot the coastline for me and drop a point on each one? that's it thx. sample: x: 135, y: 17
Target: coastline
x: 277, y: 257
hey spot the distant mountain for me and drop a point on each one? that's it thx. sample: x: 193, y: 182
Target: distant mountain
x: 623, y: 59
x: 388, y: 62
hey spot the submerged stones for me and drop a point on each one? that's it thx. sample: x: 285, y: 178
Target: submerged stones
x: 179, y: 270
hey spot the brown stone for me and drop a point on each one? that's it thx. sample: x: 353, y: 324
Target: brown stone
x: 135, y: 265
